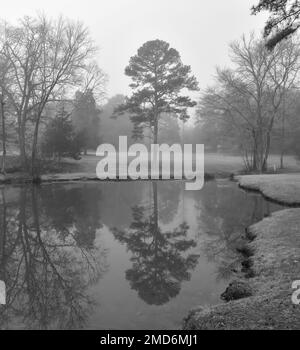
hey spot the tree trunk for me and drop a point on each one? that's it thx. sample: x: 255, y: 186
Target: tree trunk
x: 261, y: 152
x: 21, y: 132
x: 155, y: 155
x: 254, y: 156
x: 155, y: 131
x: 253, y: 153
x: 264, y: 166
x: 34, y: 169
x: 282, y: 142
x: 3, y: 136
x: 3, y: 238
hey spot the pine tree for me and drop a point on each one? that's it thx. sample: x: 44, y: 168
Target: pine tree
x: 158, y: 77
x: 283, y: 21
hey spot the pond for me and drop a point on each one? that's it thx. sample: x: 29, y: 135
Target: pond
x: 118, y: 255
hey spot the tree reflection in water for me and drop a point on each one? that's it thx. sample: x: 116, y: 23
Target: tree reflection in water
x: 161, y: 261
x: 48, y: 261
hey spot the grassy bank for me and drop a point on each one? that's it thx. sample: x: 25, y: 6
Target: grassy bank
x: 276, y: 264
x: 281, y: 188
x: 271, y: 262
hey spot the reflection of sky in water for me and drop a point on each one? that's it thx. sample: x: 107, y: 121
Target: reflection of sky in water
x: 118, y: 255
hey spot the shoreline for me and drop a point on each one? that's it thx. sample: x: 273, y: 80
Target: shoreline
x: 270, y: 199
x: 11, y: 179
x: 260, y: 296
x: 283, y: 189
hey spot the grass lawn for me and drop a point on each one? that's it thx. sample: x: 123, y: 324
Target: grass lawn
x: 214, y: 163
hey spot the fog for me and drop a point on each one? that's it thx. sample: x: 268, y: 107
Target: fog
x: 200, y: 30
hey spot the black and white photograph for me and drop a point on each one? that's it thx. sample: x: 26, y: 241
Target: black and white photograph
x: 149, y: 168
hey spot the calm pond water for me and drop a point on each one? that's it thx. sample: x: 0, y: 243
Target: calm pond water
x: 130, y: 255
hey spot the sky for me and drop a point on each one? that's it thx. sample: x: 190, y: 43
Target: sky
x: 199, y: 29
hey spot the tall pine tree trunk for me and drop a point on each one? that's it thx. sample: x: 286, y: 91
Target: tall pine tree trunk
x: 155, y: 155
x: 155, y: 132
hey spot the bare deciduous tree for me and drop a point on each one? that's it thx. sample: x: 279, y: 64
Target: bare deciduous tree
x: 47, y: 60
x: 250, y: 95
